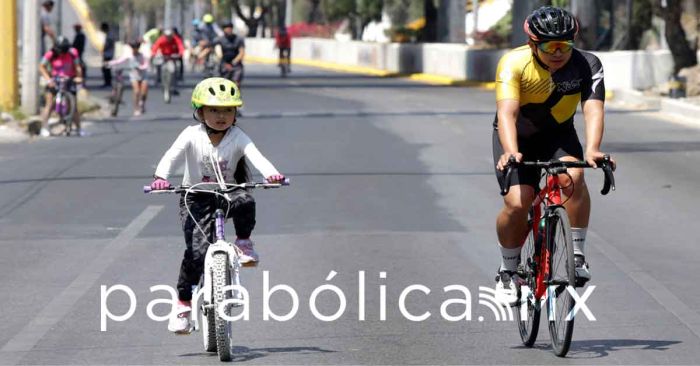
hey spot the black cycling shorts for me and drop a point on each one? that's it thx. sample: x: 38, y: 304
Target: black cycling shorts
x: 543, y: 146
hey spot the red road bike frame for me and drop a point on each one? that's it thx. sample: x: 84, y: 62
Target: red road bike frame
x: 549, y: 196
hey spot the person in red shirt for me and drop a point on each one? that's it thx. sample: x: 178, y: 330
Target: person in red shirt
x: 170, y: 46
x: 284, y: 43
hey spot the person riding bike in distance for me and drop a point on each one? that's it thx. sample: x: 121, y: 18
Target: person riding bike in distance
x: 137, y: 63
x: 170, y: 46
x: 538, y: 89
x: 208, y: 32
x: 283, y: 42
x: 214, y: 149
x: 61, y: 60
x: 231, y: 48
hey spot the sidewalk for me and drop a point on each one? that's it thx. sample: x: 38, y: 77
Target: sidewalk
x: 685, y: 110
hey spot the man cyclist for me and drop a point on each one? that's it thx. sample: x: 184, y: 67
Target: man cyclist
x: 538, y: 88
x: 231, y: 49
x: 61, y: 61
x: 170, y: 46
x: 283, y: 42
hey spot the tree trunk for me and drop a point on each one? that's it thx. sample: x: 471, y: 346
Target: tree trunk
x: 431, y: 16
x: 587, y: 13
x: 683, y: 55
x: 314, y: 12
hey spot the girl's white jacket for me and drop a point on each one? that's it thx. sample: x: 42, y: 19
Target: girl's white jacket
x: 199, y: 153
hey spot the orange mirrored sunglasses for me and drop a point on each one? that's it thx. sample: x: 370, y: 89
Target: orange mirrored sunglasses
x: 552, y: 46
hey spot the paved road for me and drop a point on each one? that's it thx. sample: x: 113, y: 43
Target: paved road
x: 389, y: 176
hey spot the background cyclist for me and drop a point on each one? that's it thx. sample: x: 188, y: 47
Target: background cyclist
x: 231, y: 48
x: 284, y: 43
x: 538, y: 89
x: 170, y: 46
x: 137, y: 64
x: 61, y: 60
x: 208, y: 32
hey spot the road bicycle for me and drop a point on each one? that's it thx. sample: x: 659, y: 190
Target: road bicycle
x: 219, y: 286
x: 284, y: 64
x: 115, y: 97
x: 547, y: 270
x: 65, y: 106
x: 166, y: 64
x: 210, y: 64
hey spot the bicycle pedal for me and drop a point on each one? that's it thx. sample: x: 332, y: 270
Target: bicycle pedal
x: 580, y: 282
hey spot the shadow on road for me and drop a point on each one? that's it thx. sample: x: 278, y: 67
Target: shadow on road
x: 597, y: 348
x: 241, y: 353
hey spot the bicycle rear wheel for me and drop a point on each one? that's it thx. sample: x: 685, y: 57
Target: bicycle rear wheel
x: 562, y: 275
x: 168, y: 71
x: 221, y: 277
x: 528, y: 310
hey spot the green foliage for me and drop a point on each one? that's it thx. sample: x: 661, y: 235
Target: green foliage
x: 336, y: 10
x: 110, y: 11
x: 561, y: 3
x: 366, y: 10
x: 499, y: 34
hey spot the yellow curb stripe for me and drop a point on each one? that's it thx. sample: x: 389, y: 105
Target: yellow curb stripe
x: 420, y: 77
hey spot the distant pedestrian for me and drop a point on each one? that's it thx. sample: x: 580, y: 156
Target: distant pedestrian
x: 79, y: 44
x: 47, y: 29
x: 107, y: 55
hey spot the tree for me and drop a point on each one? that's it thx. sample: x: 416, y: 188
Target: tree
x: 254, y: 18
x: 683, y: 55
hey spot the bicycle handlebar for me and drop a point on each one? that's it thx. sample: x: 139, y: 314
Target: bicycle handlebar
x: 231, y: 187
x: 558, y: 167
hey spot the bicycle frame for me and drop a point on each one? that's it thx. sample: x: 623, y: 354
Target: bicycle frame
x: 59, y: 100
x: 550, y: 196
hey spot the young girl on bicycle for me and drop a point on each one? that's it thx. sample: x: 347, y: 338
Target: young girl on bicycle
x: 214, y: 151
x: 137, y: 63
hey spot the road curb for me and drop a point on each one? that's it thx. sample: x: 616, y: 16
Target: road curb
x: 419, y: 77
x: 635, y: 98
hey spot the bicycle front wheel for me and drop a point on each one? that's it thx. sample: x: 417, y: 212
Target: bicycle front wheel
x: 561, y: 280
x: 221, y: 278
x: 528, y: 310
x: 208, y: 321
x: 117, y: 96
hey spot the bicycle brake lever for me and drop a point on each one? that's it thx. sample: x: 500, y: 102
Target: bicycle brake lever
x: 609, y: 182
x: 505, y: 186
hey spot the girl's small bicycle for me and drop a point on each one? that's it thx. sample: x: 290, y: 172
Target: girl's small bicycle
x: 219, y: 287
x: 547, y: 270
x: 65, y: 106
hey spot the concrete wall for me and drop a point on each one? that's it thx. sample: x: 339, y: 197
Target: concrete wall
x: 623, y: 69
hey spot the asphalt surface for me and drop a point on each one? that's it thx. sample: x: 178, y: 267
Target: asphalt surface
x: 387, y: 176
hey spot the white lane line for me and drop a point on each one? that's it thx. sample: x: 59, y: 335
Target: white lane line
x: 656, y: 289
x: 18, y: 347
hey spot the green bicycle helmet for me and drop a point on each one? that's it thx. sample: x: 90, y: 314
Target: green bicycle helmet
x: 216, y: 92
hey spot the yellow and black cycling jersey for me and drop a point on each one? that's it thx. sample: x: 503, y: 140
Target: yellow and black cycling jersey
x: 547, y: 100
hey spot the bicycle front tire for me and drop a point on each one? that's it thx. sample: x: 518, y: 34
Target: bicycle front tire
x: 208, y: 322
x: 562, y: 277
x: 117, y: 99
x: 528, y: 318
x: 221, y: 277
